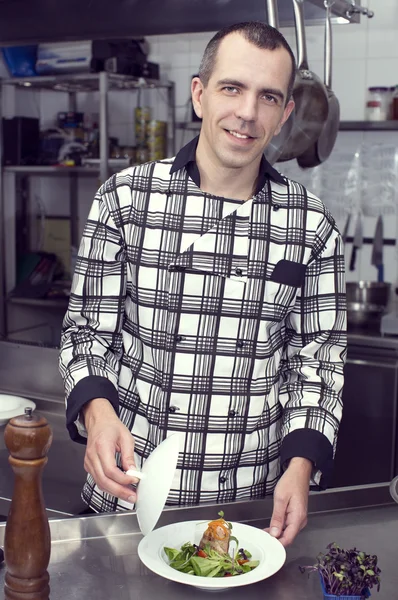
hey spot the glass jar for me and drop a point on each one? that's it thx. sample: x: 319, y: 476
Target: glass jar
x: 394, y: 104
x: 377, y: 106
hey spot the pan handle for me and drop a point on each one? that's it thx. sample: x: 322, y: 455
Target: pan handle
x: 328, y: 45
x: 302, y: 57
x: 272, y: 12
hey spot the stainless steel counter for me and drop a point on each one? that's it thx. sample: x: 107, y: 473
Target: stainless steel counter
x: 96, y: 556
x: 63, y: 476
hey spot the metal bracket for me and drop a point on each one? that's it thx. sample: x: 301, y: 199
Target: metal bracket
x: 361, y: 10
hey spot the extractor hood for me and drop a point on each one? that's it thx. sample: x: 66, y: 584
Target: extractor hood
x: 33, y: 21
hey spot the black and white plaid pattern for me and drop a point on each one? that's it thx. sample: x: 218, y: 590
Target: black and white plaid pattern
x: 178, y: 301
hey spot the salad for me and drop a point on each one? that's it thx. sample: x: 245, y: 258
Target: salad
x: 212, y: 558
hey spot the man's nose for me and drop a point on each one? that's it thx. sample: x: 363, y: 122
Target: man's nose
x: 247, y: 108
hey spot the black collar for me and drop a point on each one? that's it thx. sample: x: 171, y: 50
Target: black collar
x: 186, y: 157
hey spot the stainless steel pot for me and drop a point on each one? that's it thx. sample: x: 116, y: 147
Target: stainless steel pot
x: 367, y: 302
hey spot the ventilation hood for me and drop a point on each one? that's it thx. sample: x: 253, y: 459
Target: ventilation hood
x: 33, y: 21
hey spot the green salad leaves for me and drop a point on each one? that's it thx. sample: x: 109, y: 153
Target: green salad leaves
x: 207, y: 562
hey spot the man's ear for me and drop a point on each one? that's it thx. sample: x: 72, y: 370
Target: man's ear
x: 196, y: 93
x: 286, y: 114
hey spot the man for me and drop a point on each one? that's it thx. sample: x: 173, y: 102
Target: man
x: 208, y: 299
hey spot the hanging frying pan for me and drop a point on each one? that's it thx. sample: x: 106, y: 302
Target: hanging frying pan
x: 275, y: 147
x: 310, y: 97
x: 321, y: 150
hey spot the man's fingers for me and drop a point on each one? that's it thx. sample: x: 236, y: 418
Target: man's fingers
x: 278, y: 516
x: 294, y: 524
x: 100, y: 462
x: 127, y: 455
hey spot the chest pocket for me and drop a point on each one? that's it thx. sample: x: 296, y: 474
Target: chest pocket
x: 281, y: 289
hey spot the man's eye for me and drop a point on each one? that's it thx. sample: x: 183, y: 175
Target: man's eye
x: 270, y: 99
x: 230, y: 89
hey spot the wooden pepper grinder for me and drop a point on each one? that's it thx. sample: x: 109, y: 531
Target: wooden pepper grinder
x: 27, y: 543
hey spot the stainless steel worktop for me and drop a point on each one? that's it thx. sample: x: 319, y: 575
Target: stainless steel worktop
x: 63, y: 476
x: 96, y: 556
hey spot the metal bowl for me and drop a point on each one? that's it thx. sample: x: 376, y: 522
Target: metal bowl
x: 367, y: 302
x: 368, y: 292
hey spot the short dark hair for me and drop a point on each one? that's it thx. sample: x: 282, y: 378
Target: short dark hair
x: 260, y: 34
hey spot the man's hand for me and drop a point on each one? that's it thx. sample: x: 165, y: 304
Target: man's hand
x: 107, y: 435
x: 291, y: 501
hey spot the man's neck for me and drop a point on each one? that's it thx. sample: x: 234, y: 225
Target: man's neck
x: 239, y: 184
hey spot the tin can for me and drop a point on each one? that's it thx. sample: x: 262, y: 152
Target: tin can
x: 157, y: 139
x: 142, y: 118
x: 142, y: 155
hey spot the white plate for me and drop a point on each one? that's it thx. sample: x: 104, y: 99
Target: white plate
x: 153, y: 489
x: 262, y: 546
x: 13, y: 406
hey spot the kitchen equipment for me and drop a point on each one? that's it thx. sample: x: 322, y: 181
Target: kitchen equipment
x: 377, y: 249
x: 21, y: 141
x: 377, y: 106
x: 344, y: 234
x: 394, y: 489
x: 27, y: 542
x: 310, y: 97
x: 318, y: 152
x: 367, y: 302
x: 262, y: 546
x: 275, y: 147
x: 155, y: 482
x: 357, y: 242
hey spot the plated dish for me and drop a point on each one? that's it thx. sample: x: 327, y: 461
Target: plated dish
x: 13, y: 406
x: 164, y: 549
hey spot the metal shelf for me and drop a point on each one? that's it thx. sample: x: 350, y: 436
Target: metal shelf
x: 60, y: 303
x: 49, y: 170
x: 369, y: 126
x: 92, y: 169
x: 85, y: 82
x: 344, y: 126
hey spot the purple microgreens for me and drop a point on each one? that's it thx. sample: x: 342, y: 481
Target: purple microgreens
x: 346, y: 572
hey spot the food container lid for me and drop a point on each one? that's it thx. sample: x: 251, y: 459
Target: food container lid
x: 378, y: 89
x: 154, y: 487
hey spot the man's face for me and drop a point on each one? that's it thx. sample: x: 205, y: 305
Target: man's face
x: 244, y: 104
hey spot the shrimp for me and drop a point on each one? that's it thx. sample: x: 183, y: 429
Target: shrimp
x: 217, y: 536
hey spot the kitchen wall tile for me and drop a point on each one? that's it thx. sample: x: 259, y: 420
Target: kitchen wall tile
x: 349, y: 85
x: 182, y: 78
x: 350, y: 41
x: 382, y: 71
x: 385, y: 13
x: 382, y: 42
x: 175, y: 50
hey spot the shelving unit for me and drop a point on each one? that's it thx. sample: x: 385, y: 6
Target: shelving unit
x: 344, y: 126
x: 101, y: 168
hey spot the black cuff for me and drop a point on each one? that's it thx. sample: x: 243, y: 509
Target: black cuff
x: 311, y: 444
x: 87, y: 389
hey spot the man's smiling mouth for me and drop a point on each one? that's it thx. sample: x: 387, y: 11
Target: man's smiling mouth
x: 241, y: 136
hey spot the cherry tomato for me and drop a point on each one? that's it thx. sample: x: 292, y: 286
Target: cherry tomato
x: 201, y: 554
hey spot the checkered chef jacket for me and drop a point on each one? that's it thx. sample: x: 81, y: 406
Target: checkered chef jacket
x: 223, y: 320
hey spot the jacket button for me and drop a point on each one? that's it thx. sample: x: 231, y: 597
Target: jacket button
x: 240, y: 343
x: 173, y: 409
x: 179, y: 338
x: 276, y: 207
x: 232, y: 413
x: 238, y: 272
x: 223, y: 479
